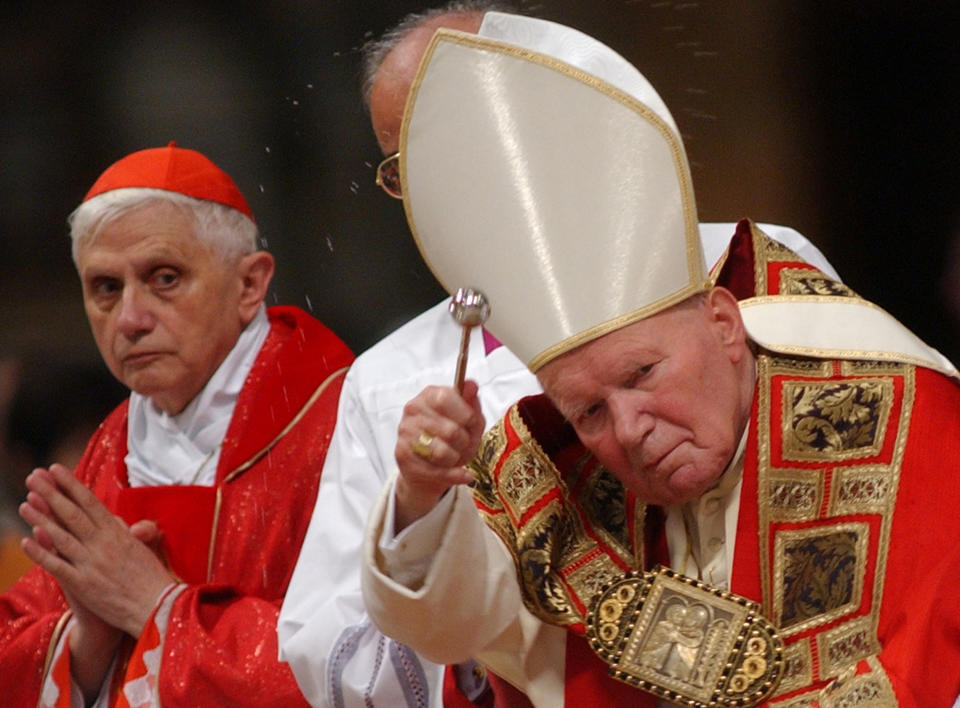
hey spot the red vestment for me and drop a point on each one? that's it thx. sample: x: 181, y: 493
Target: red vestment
x: 220, y: 645
x: 845, y: 530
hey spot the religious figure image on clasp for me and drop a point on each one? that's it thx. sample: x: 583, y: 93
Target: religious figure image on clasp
x: 682, y: 638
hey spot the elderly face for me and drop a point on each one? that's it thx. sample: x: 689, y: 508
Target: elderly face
x: 164, y: 309
x: 661, y: 402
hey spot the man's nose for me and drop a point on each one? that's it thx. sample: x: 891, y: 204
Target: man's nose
x: 632, y: 420
x: 135, y: 317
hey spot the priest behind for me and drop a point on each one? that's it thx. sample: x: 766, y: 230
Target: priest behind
x: 163, y: 558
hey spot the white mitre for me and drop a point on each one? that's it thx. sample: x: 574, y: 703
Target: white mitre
x: 541, y: 167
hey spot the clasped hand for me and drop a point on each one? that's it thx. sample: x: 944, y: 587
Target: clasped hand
x: 439, y: 433
x: 104, y: 567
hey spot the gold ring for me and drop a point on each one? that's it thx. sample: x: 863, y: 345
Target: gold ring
x: 421, y: 446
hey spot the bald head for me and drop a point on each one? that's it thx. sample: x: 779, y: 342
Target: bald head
x: 392, y: 79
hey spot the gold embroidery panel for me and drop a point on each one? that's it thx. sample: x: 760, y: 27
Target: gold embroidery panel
x: 797, y: 667
x: 868, y: 690
x: 861, y: 490
x: 835, y: 420
x: 846, y: 645
x: 558, y: 564
x: 818, y: 574
x: 765, y: 369
x: 803, y: 281
x: 794, y: 494
x: 603, y: 500
x: 762, y: 246
x: 863, y: 367
x: 590, y: 577
x: 772, y: 251
x: 492, y: 446
x: 556, y: 528
x: 766, y: 250
x: 863, y: 692
x: 801, y: 702
x: 854, y: 489
x: 852, y: 690
x: 782, y: 366
x: 524, y: 478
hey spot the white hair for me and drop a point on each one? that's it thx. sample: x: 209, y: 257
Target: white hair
x: 228, y: 232
x: 375, y: 51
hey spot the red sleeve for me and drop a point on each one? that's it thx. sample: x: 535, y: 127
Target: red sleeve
x: 31, y: 610
x: 29, y: 614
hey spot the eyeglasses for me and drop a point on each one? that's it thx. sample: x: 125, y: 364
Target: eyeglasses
x: 388, y: 176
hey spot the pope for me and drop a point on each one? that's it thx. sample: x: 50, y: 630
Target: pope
x: 725, y: 494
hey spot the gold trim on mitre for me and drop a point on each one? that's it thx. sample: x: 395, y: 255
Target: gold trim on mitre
x: 565, y: 199
x: 588, y: 335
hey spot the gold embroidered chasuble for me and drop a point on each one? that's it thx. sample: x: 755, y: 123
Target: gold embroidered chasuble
x: 830, y: 453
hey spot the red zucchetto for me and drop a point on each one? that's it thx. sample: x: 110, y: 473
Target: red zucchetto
x: 173, y: 169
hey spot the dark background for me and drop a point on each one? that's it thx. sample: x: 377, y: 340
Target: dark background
x: 837, y: 118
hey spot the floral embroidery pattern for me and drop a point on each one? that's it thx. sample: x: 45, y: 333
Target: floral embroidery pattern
x: 819, y: 576
x: 842, y: 419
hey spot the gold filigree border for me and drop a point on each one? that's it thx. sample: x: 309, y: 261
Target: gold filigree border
x: 874, y: 497
x: 906, y: 409
x: 797, y: 667
x: 765, y: 372
x: 790, y: 277
x: 785, y: 505
x: 866, y: 690
x: 858, y: 634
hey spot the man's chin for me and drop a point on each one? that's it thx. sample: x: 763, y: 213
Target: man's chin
x: 679, y: 486
x: 147, y: 382
x: 689, y: 481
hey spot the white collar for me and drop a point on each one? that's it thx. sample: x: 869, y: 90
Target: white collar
x: 185, y: 448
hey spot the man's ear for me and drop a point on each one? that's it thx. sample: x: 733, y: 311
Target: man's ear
x: 725, y: 314
x: 256, y: 272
